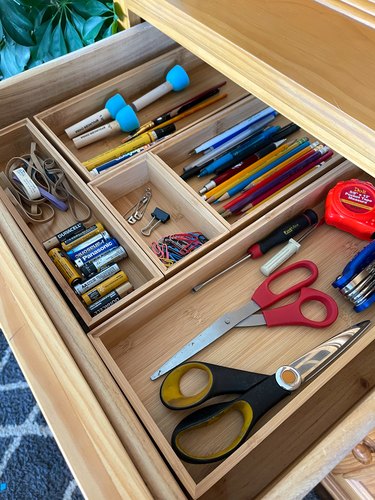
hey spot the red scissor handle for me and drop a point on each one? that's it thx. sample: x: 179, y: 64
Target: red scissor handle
x: 291, y: 314
x: 265, y: 298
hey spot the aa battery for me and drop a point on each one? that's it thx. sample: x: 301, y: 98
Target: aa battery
x: 85, y: 235
x: 95, y: 280
x: 110, y: 299
x: 63, y: 235
x: 106, y: 247
x: 98, y: 264
x: 89, y: 245
x: 65, y: 267
x: 104, y: 288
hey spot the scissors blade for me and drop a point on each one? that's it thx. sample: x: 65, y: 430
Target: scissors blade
x: 253, y: 320
x: 205, y: 338
x: 318, y: 358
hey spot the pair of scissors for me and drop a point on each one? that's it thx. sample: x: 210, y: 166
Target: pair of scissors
x: 259, y: 393
x: 263, y: 297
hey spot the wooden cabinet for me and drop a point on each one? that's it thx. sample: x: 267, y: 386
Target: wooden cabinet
x: 92, y: 389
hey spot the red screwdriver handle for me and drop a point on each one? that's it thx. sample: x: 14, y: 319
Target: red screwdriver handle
x: 264, y: 297
x: 291, y: 314
x: 283, y: 233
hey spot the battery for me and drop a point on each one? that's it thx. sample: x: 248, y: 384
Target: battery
x: 110, y: 299
x: 65, y: 267
x: 79, y: 238
x: 63, y: 235
x: 95, y: 280
x: 106, y: 247
x: 104, y: 288
x: 88, y: 245
x: 104, y: 260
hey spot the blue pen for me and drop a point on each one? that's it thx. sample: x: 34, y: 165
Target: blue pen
x: 241, y: 151
x: 241, y: 185
x: 116, y: 161
x: 231, y: 132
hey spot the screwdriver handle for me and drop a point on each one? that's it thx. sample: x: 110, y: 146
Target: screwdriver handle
x: 283, y: 233
x: 282, y: 256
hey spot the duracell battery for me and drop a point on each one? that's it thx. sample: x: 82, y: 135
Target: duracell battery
x: 104, y: 288
x: 82, y: 288
x: 65, y: 267
x: 63, y: 235
x: 88, y: 233
x: 97, y: 265
x: 110, y: 299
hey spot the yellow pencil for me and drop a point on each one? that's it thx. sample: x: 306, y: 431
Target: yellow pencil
x: 254, y: 168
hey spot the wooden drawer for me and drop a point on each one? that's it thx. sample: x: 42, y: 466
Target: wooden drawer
x: 106, y: 441
x: 133, y: 345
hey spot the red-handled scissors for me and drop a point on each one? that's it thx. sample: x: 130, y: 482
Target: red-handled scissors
x: 263, y: 297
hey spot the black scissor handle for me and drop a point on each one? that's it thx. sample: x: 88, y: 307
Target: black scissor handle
x: 221, y: 380
x: 251, y: 405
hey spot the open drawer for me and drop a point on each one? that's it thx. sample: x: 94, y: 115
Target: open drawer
x: 138, y: 341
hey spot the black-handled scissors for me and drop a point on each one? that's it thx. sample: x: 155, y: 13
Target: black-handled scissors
x: 259, y: 393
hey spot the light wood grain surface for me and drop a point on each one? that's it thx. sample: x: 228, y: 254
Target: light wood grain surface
x: 362, y: 11
x: 313, y: 64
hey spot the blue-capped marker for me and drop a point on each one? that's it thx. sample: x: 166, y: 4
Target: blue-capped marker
x: 111, y: 108
x: 126, y: 119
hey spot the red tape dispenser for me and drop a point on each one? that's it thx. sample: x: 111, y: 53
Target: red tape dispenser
x: 350, y: 206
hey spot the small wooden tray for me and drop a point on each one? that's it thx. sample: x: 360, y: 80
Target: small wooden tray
x: 121, y: 189
x: 15, y: 140
x: 132, y: 85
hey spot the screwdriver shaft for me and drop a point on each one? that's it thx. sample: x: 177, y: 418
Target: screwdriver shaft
x: 201, y: 285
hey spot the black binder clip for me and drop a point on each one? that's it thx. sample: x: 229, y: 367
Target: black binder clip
x: 158, y: 216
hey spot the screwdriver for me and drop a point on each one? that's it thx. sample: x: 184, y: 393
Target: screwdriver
x: 280, y: 235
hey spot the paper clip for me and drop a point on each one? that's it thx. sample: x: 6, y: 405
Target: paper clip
x: 139, y: 209
x: 158, y: 216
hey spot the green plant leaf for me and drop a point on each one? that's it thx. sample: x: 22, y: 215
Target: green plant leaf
x: 90, y: 8
x: 58, y: 45
x: 79, y: 22
x: 111, y: 30
x: 32, y: 3
x: 91, y: 28
x: 118, y: 10
x: 73, y: 40
x: 13, y: 58
x: 43, y: 53
x: 16, y: 23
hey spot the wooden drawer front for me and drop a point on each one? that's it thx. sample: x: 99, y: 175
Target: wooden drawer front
x: 175, y: 155
x: 137, y: 341
x: 132, y: 85
x: 15, y: 140
x: 121, y: 189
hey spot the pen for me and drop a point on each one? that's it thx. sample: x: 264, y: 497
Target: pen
x: 241, y: 151
x: 228, y: 145
x: 136, y: 143
x: 228, y: 134
x: 116, y: 161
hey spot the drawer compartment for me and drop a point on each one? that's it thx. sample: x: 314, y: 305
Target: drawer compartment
x: 175, y: 155
x: 16, y: 140
x: 132, y: 85
x: 138, y: 341
x: 121, y: 189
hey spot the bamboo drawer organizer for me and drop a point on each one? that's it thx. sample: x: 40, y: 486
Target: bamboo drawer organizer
x: 133, y: 345
x: 16, y: 139
x: 131, y: 85
x: 117, y: 442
